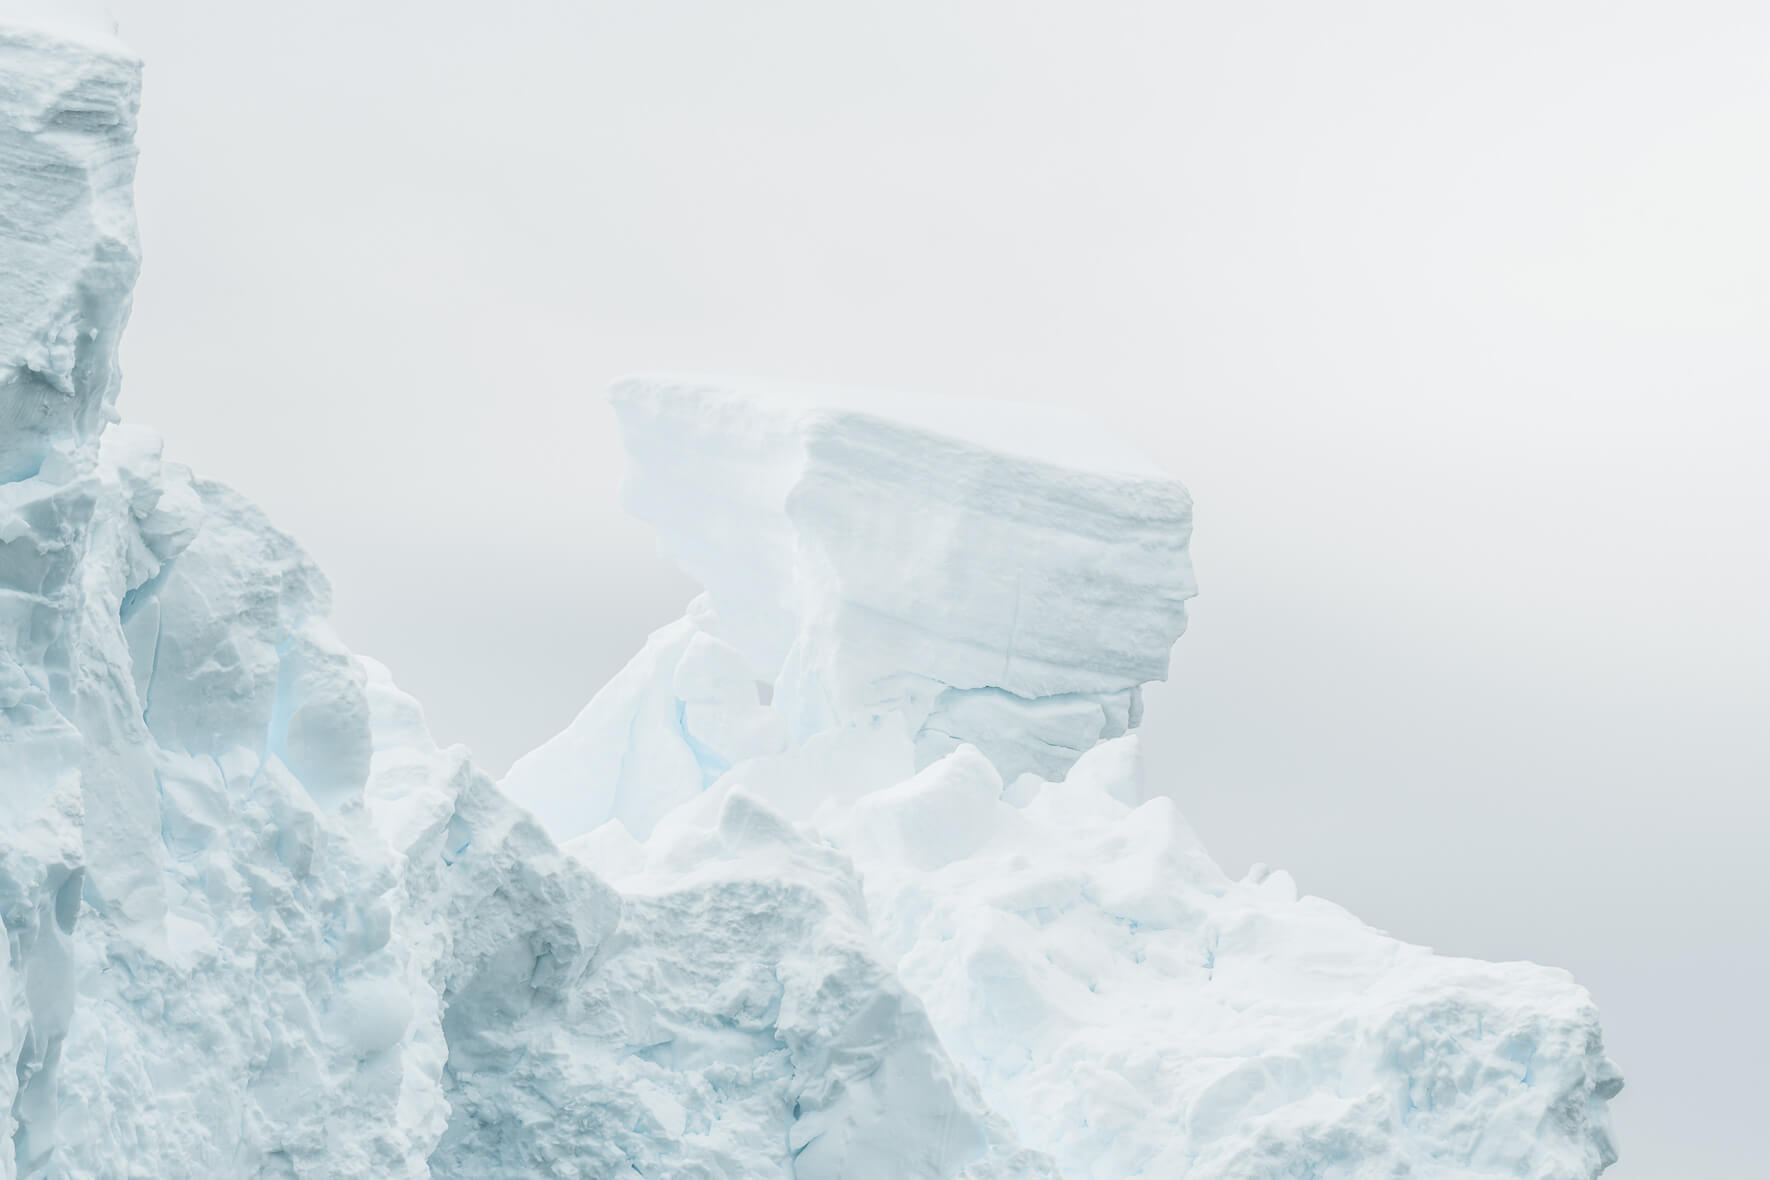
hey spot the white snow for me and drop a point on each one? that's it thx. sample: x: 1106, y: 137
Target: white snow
x: 849, y: 874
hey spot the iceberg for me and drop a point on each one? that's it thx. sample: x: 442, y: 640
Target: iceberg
x: 850, y: 873
x: 993, y: 577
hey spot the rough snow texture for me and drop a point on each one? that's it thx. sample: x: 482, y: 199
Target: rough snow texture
x: 909, y: 916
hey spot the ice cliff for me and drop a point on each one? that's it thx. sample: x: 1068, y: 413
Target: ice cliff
x: 850, y: 873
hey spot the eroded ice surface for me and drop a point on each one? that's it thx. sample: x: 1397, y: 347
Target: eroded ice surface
x: 878, y: 556
x: 908, y: 915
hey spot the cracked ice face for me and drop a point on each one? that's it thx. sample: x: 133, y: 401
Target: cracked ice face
x: 67, y: 239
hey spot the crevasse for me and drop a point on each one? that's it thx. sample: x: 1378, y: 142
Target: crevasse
x: 849, y: 873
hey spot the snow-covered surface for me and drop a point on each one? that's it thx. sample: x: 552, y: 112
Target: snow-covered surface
x: 906, y: 913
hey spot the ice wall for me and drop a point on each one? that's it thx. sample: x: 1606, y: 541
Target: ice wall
x: 217, y: 964
x: 67, y: 239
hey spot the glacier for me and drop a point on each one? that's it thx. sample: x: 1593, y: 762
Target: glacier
x: 851, y: 872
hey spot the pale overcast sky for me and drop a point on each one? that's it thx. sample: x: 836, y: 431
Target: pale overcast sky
x: 1453, y: 317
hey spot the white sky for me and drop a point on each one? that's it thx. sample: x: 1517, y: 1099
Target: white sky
x: 1453, y: 317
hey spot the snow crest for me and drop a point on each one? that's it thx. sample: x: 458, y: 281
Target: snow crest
x: 849, y: 874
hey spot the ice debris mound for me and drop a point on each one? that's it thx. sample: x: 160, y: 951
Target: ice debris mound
x: 235, y: 921
x: 848, y: 875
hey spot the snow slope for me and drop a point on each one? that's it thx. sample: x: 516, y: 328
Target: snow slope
x: 849, y: 874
